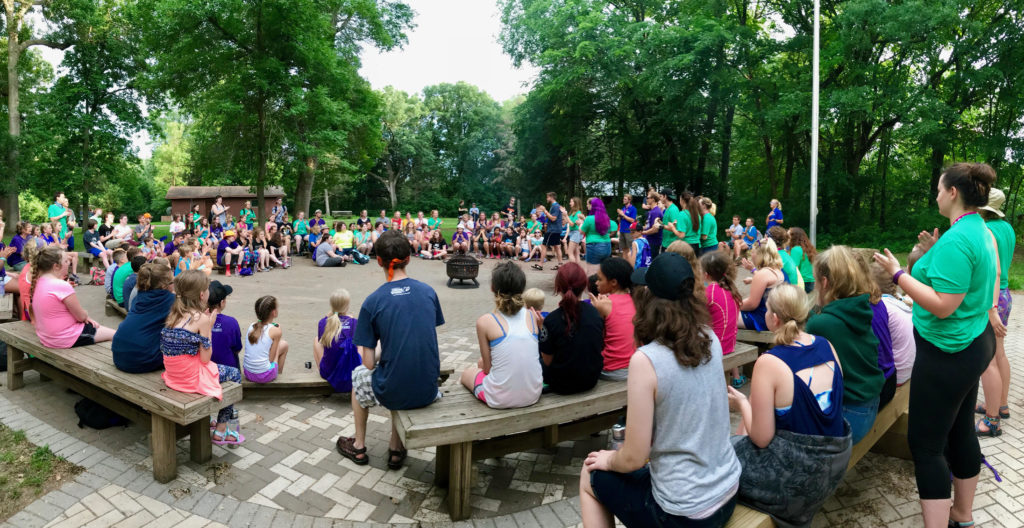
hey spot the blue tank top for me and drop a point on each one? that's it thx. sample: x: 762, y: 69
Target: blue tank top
x: 754, y: 319
x: 643, y: 253
x: 805, y: 415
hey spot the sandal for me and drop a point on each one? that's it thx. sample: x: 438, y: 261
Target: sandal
x: 400, y: 454
x: 740, y: 381
x: 556, y: 267
x: 991, y: 423
x: 1004, y: 411
x: 960, y: 524
x: 228, y: 438
x: 537, y: 267
x: 346, y: 446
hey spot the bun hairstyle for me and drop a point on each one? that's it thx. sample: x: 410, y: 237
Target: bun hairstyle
x: 154, y: 276
x: 340, y: 300
x: 265, y: 306
x: 570, y: 281
x: 972, y: 180
x: 709, y: 205
x: 45, y: 260
x: 508, y: 282
x: 847, y: 273
x: 679, y: 325
x: 722, y: 270
x: 791, y: 305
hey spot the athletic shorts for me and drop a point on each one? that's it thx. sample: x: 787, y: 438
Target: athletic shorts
x: 1005, y: 304
x: 553, y: 239
x: 262, y: 377
x: 88, y: 336
x: 478, y: 386
x: 94, y: 252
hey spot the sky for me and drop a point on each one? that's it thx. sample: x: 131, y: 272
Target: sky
x: 454, y: 40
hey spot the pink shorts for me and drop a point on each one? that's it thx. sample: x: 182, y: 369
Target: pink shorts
x: 478, y: 386
x: 263, y: 377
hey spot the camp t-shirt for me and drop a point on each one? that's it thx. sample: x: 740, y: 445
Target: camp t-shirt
x: 692, y: 231
x: 222, y: 247
x: 652, y: 216
x: 789, y: 268
x: 90, y: 237
x: 344, y: 239
x: 590, y: 230
x: 122, y: 273
x: 56, y: 209
x: 803, y: 264
x: 671, y: 215
x: 709, y: 228
x: 555, y: 226
x: 774, y: 219
x: 403, y: 316
x: 960, y: 262
x: 226, y: 337
x: 1006, y: 240
x: 629, y: 211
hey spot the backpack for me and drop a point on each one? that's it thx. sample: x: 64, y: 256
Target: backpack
x: 97, y: 276
x: 93, y: 415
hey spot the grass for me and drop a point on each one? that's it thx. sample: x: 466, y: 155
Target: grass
x: 27, y: 471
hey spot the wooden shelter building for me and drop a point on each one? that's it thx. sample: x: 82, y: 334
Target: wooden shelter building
x: 182, y: 198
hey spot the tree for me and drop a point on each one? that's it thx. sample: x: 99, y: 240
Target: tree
x: 406, y: 145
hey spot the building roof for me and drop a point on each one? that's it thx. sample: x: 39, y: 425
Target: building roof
x: 227, y: 191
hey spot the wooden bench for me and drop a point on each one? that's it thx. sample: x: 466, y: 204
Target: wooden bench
x: 142, y: 398
x: 111, y: 308
x: 338, y: 214
x: 9, y: 308
x: 743, y: 354
x: 887, y: 436
x: 302, y: 382
x: 762, y: 340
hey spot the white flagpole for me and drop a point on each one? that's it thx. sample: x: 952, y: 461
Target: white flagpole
x: 814, y: 123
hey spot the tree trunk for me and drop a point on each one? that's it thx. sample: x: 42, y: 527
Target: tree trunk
x: 787, y: 176
x: 938, y: 156
x: 705, y: 142
x: 723, y: 167
x: 304, y: 187
x: 9, y: 187
x: 261, y: 173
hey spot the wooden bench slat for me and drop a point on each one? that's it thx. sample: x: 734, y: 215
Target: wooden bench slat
x: 743, y: 354
x: 744, y: 517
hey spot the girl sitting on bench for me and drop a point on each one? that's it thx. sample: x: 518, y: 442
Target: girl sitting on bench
x: 58, y: 316
x: 795, y: 441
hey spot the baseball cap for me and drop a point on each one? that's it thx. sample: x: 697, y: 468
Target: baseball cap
x: 147, y: 215
x: 668, y: 193
x: 218, y: 292
x: 229, y: 233
x: 665, y: 275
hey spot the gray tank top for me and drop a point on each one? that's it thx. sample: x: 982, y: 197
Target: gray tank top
x: 693, y: 465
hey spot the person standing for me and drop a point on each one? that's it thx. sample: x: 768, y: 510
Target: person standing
x: 595, y: 228
x: 278, y: 213
x: 219, y: 210
x: 553, y: 227
x: 247, y: 216
x: 774, y: 218
x: 995, y: 382
x: 708, y: 226
x: 670, y: 216
x: 57, y: 212
x: 627, y: 219
x: 652, y: 228
x: 953, y: 287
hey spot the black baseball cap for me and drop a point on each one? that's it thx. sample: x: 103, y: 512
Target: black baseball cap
x: 665, y: 275
x: 218, y: 292
x: 668, y: 193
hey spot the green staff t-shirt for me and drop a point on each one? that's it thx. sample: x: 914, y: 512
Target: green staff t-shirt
x: 1006, y: 240
x: 671, y: 215
x: 709, y: 228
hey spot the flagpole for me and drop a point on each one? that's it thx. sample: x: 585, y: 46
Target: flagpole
x: 814, y: 123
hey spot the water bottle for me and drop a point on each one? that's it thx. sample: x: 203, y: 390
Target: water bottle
x: 232, y: 427
x: 618, y: 437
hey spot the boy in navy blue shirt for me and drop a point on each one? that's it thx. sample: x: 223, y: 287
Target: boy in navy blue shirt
x: 403, y: 372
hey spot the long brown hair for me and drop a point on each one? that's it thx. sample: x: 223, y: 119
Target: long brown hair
x: 679, y: 325
x: 693, y: 208
x: 46, y: 259
x: 189, y: 286
x: 722, y: 270
x: 798, y: 237
x: 154, y: 276
x: 847, y: 274
x: 265, y: 306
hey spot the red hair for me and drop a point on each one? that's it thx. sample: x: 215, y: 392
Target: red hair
x: 570, y: 282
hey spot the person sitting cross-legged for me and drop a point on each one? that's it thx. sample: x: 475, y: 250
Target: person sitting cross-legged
x: 403, y: 373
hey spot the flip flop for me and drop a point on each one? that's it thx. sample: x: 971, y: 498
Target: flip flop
x: 346, y: 446
x: 228, y: 438
x: 537, y: 267
x: 401, y: 454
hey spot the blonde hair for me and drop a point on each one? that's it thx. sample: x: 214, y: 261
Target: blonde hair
x: 847, y: 274
x: 340, y: 300
x: 265, y: 306
x: 766, y: 254
x: 120, y: 256
x: 791, y: 305
x: 29, y: 251
x: 155, y: 276
x: 680, y: 247
x: 46, y: 259
x: 534, y: 298
x: 189, y: 286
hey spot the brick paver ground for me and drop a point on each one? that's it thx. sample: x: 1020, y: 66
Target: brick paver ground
x: 288, y: 473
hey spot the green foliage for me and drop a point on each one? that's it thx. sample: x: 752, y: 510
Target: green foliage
x: 33, y: 209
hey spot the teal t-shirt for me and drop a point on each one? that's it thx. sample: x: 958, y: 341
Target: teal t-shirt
x: 300, y: 227
x: 803, y: 264
x: 56, y: 209
x: 709, y: 228
x: 685, y: 225
x: 117, y: 287
x: 1006, y: 240
x: 434, y: 223
x: 573, y: 218
x: 590, y: 230
x: 671, y: 215
x: 960, y: 262
x: 790, y: 269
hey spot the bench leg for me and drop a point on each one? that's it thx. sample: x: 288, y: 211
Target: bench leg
x: 442, y: 465
x: 165, y: 460
x: 460, y: 483
x: 200, y: 444
x: 15, y: 376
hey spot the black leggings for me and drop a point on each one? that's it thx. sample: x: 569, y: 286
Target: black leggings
x: 941, y: 423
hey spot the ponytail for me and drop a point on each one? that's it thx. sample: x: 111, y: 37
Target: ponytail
x: 332, y: 326
x: 46, y: 259
x: 791, y: 306
x: 265, y: 306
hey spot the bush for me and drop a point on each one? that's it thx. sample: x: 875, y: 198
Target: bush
x: 32, y: 208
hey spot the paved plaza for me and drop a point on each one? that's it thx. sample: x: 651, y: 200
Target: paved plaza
x: 289, y: 474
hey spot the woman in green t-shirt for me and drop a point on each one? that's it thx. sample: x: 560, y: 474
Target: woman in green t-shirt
x: 689, y: 220
x: 956, y: 317
x: 595, y: 230
x: 247, y: 215
x: 575, y: 235
x: 708, y: 226
x: 802, y: 253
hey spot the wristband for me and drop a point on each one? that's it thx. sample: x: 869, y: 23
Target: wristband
x: 896, y: 277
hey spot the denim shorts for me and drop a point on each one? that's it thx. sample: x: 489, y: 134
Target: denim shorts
x: 575, y: 236
x: 598, y: 251
x: 861, y: 417
x: 629, y: 497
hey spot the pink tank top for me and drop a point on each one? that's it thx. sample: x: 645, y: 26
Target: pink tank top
x: 724, y: 313
x: 619, y: 344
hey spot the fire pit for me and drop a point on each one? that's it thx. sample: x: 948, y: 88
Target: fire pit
x: 463, y: 268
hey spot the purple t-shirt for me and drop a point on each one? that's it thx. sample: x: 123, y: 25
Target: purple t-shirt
x: 654, y: 238
x: 880, y: 326
x: 170, y: 248
x: 341, y: 357
x: 227, y: 341
x: 223, y: 246
x: 18, y: 243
